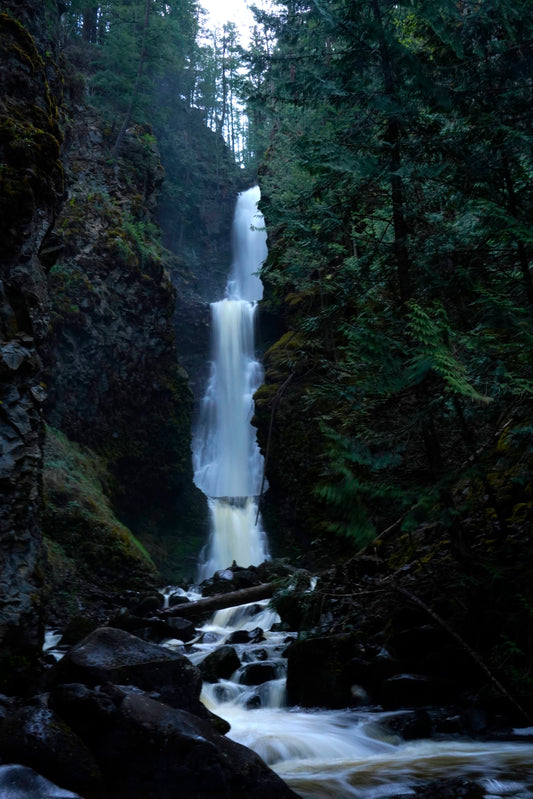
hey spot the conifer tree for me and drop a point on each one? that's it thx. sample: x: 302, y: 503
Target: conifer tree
x: 395, y: 188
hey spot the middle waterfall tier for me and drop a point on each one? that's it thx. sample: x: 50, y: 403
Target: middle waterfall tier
x: 227, y: 460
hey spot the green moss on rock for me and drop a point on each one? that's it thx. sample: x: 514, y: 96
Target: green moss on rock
x: 88, y: 548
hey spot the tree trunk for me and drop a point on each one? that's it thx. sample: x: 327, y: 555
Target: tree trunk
x: 90, y: 16
x: 220, y: 127
x: 129, y: 112
x: 392, y: 137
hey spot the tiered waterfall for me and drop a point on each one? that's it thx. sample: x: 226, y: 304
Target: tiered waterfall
x: 227, y: 462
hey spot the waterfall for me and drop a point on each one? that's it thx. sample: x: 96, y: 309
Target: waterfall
x: 226, y: 458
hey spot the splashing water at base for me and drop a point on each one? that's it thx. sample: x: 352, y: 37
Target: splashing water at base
x: 238, y: 537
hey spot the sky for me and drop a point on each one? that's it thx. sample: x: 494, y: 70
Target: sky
x: 221, y: 11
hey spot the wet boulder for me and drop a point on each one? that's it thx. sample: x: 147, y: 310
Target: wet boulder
x: 148, y: 604
x: 318, y: 671
x: 21, y: 782
x: 36, y: 737
x: 257, y: 673
x: 183, y: 629
x: 220, y: 664
x: 154, y: 630
x: 148, y: 750
x: 254, y: 636
x: 411, y: 725
x: 116, y: 656
x: 234, y: 578
x: 177, y: 599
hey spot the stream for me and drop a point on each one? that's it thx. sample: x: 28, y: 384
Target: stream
x: 340, y: 754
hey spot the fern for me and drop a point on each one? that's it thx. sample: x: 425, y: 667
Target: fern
x: 433, y: 353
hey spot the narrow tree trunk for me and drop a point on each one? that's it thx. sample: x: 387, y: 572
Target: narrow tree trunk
x: 129, y: 112
x: 392, y: 138
x: 90, y: 15
x: 220, y: 128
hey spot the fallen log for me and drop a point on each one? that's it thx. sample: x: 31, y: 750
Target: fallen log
x: 203, y: 607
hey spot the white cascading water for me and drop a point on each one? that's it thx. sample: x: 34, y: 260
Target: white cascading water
x: 341, y: 754
x: 226, y: 458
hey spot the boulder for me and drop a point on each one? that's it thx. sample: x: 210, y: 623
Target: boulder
x: 227, y: 580
x: 20, y: 782
x: 148, y: 750
x: 148, y: 604
x: 407, y: 690
x: 254, y: 636
x: 153, y: 629
x: 257, y: 673
x: 177, y: 599
x: 411, y: 725
x: 183, y: 629
x: 36, y: 737
x: 220, y: 664
x: 318, y: 671
x: 111, y: 655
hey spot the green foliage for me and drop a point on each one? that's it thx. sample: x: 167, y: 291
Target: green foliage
x: 144, y: 236
x: 397, y: 194
x: 433, y: 352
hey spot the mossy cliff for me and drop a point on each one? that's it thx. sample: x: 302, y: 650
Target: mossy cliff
x: 290, y: 436
x: 114, y: 382
x: 89, y: 552
x: 84, y: 290
x: 31, y: 189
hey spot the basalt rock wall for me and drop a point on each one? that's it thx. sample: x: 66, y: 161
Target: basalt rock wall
x: 32, y: 186
x: 115, y: 383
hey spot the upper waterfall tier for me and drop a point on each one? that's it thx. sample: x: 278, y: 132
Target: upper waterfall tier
x: 249, y: 248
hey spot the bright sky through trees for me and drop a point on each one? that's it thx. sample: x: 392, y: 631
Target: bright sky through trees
x: 236, y: 11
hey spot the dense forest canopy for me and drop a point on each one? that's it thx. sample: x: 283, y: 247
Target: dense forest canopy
x: 397, y: 190
x: 140, y: 46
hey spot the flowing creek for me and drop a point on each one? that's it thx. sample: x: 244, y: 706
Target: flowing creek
x: 340, y: 754
x: 321, y: 754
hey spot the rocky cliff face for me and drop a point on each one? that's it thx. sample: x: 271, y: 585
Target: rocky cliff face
x: 114, y: 379
x: 31, y: 189
x: 84, y: 289
x: 87, y: 290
